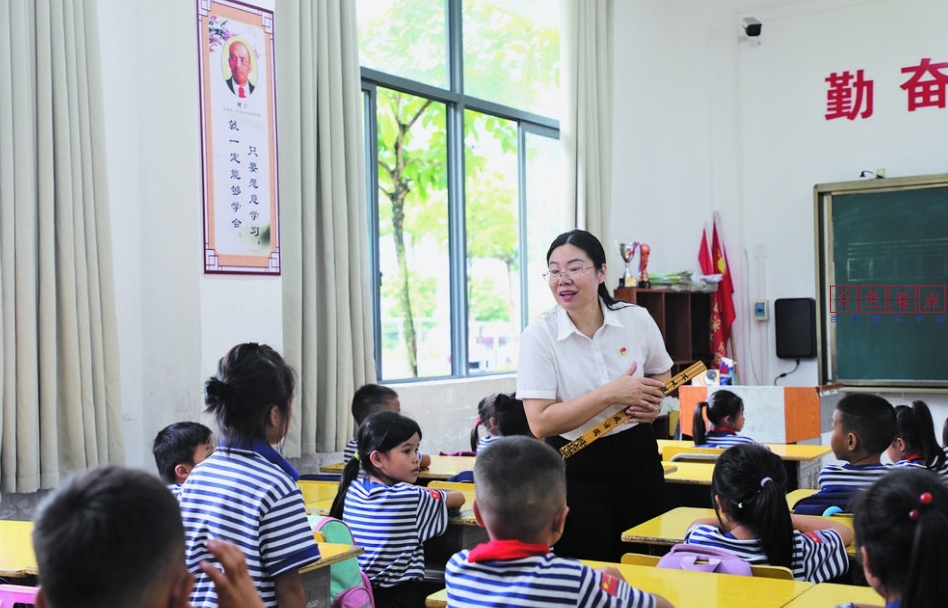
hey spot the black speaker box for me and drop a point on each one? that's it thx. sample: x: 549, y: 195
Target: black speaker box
x: 795, y: 321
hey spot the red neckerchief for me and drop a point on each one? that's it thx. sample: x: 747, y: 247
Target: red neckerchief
x: 505, y: 550
x: 913, y: 457
x: 721, y: 429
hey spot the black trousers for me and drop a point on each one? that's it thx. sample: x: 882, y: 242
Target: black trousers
x: 405, y: 595
x: 613, y: 484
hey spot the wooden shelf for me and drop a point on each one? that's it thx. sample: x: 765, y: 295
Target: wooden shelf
x: 683, y: 317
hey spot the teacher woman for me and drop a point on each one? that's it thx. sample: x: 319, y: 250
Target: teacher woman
x: 580, y: 362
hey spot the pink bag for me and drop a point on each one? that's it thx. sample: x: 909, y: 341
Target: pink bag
x: 704, y: 559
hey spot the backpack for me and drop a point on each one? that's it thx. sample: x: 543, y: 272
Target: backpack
x: 837, y: 499
x: 704, y: 559
x: 349, y: 587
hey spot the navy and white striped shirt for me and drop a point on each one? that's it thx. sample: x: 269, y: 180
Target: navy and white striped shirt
x: 485, y: 441
x: 391, y: 523
x: 818, y: 556
x: 724, y: 439
x: 350, y: 450
x: 247, y: 495
x: 851, y: 475
x: 538, y: 580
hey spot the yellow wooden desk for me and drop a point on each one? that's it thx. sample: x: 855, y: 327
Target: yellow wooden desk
x: 16, y: 549
x: 802, y: 461
x: 687, y: 589
x: 669, y: 528
x: 442, y: 467
x: 314, y: 491
x: 825, y: 595
x: 693, y: 473
x: 315, y: 577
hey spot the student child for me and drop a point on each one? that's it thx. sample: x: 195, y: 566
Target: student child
x: 178, y: 448
x: 725, y: 411
x: 510, y: 416
x: 388, y: 515
x: 485, y: 417
x: 370, y: 399
x: 863, y: 428
x: 748, y: 488
x: 111, y: 536
x: 521, y: 501
x: 901, y: 527
x: 246, y: 492
x: 915, y: 442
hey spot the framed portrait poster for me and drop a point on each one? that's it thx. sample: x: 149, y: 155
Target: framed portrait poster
x: 241, y: 210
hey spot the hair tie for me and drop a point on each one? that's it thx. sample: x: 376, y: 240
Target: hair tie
x: 926, y: 499
x: 356, y: 455
x: 478, y: 421
x: 740, y: 505
x: 764, y: 481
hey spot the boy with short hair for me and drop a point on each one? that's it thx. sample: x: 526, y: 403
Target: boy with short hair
x: 520, y: 486
x: 178, y: 448
x: 863, y: 427
x: 111, y: 536
x: 370, y: 399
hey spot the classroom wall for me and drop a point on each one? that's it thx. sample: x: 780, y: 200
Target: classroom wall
x: 174, y: 321
x: 706, y: 122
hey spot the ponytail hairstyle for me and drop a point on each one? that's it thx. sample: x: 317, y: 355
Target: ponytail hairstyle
x: 378, y: 433
x: 251, y: 379
x: 511, y: 417
x: 751, y: 484
x: 720, y: 405
x: 485, y: 411
x: 902, y: 523
x: 913, y: 423
x: 593, y: 248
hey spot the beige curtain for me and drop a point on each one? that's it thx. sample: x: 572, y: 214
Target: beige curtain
x: 60, y: 380
x: 586, y: 129
x: 327, y: 323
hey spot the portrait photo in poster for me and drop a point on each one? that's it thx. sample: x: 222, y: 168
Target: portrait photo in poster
x: 241, y: 210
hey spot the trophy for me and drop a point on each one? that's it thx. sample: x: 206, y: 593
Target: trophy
x: 644, y: 282
x: 627, y: 251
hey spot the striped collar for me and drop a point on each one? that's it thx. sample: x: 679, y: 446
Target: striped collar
x: 261, y: 447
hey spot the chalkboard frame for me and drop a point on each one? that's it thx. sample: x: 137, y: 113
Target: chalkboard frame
x: 834, y: 345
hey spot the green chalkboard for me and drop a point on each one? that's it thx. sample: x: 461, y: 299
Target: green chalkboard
x: 883, y: 266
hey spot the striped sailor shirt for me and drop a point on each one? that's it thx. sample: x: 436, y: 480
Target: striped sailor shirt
x: 247, y: 495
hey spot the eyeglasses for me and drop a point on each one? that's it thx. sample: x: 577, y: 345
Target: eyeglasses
x: 572, y: 274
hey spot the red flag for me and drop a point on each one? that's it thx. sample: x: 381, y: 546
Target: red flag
x: 724, y: 302
x: 704, y: 256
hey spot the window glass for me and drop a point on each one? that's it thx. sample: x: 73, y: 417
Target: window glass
x: 405, y: 38
x: 512, y: 53
x: 548, y: 215
x: 493, y: 248
x: 413, y: 236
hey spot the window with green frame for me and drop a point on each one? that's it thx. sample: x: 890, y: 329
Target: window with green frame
x: 461, y: 104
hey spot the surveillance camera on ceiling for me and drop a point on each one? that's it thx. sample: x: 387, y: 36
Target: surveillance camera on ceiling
x: 751, y: 27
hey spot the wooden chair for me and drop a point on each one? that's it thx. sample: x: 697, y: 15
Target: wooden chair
x: 674, y: 453
x: 639, y: 559
x: 778, y: 572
